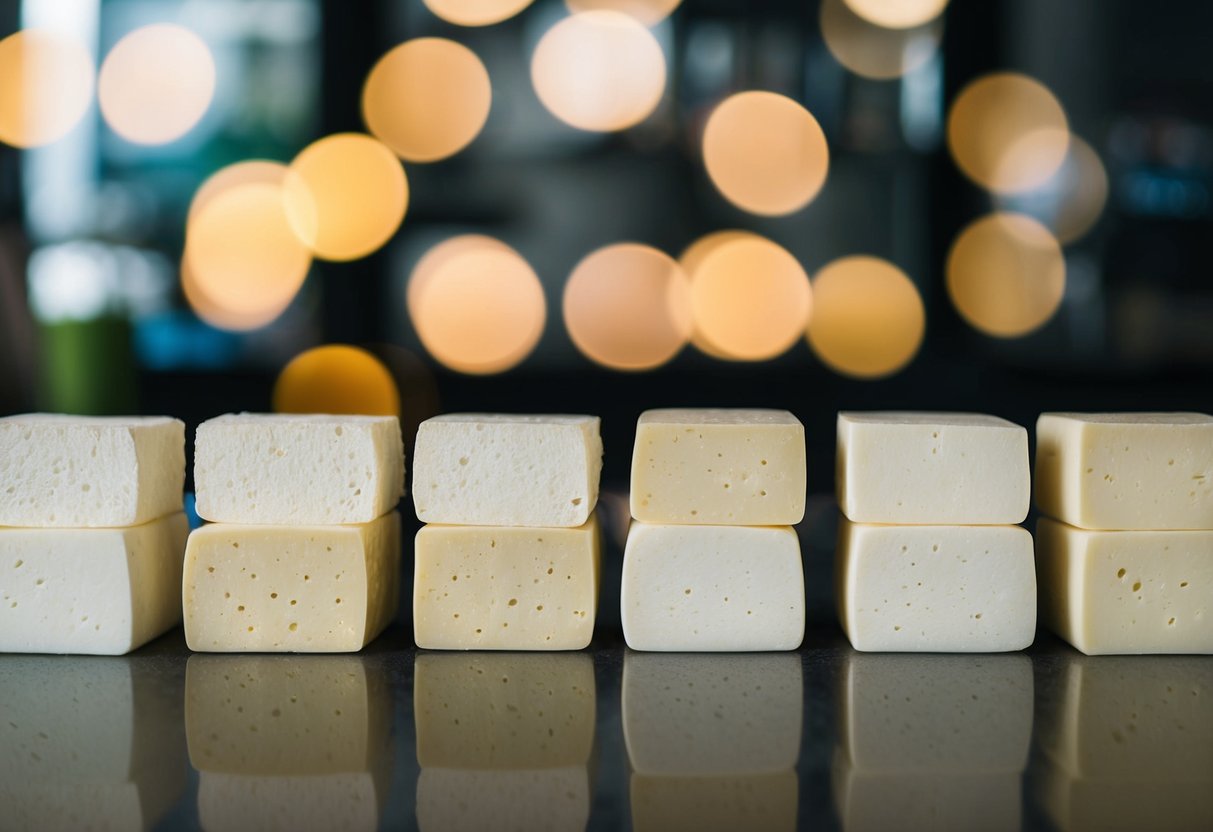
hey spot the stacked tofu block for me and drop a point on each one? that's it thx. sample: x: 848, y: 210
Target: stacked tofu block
x: 1126, y: 553
x: 928, y: 557
x: 91, y: 549
x: 712, y: 562
x: 303, y: 550
x: 509, y: 558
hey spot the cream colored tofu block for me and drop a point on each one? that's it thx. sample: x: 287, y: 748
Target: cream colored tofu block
x: 238, y: 802
x: 712, y: 588
x: 765, y: 802
x: 290, y: 589
x: 935, y: 589
x: 1127, y: 592
x: 86, y: 472
x: 505, y: 587
x: 536, y: 800
x: 932, y: 468
x: 1078, y: 804
x: 99, y: 591
x: 1126, y: 470
x: 728, y: 467
x: 298, y: 470
x: 500, y: 469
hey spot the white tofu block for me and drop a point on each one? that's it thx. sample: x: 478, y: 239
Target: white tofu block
x: 936, y: 589
x: 536, y: 800
x: 932, y: 468
x: 504, y: 712
x: 98, y: 591
x: 764, y: 802
x: 729, y: 467
x: 298, y: 470
x: 505, y: 588
x: 712, y: 588
x: 239, y: 802
x: 500, y: 469
x: 1077, y: 804
x: 689, y: 715
x: 1127, y: 592
x: 85, y: 472
x: 1126, y: 470
x: 290, y: 589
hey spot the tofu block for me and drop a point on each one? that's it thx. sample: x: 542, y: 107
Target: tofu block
x: 290, y: 589
x: 932, y: 468
x: 497, y: 712
x: 753, y: 705
x: 468, y: 800
x: 293, y: 470
x: 99, y: 591
x: 86, y: 472
x: 505, y: 588
x: 935, y: 589
x: 500, y: 469
x: 1126, y: 592
x: 239, y: 802
x: 766, y: 802
x: 1078, y: 804
x: 712, y: 588
x: 729, y: 467
x: 1126, y: 470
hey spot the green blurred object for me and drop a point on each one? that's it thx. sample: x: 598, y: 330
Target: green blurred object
x: 88, y: 367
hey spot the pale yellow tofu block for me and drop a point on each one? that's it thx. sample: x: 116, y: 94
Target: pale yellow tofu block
x: 729, y: 467
x: 1127, y: 592
x: 505, y: 588
x: 290, y: 589
x: 254, y: 803
x: 470, y: 800
x: 764, y: 802
x: 1126, y: 470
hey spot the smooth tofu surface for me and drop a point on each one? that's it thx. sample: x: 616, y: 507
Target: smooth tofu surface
x: 766, y: 802
x: 712, y: 588
x: 730, y: 467
x: 288, y: 469
x: 290, y: 589
x: 468, y: 800
x: 1127, y: 592
x: 505, y: 587
x: 249, y: 803
x: 500, y: 469
x: 61, y: 471
x: 1126, y: 470
x: 935, y: 589
x: 932, y: 468
x: 95, y: 591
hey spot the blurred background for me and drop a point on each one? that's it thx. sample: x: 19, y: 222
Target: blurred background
x: 605, y: 206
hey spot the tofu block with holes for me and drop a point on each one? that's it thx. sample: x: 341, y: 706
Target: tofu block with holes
x: 98, y: 591
x: 1127, y: 592
x: 1126, y: 470
x: 729, y: 467
x: 469, y: 800
x: 501, y: 469
x: 932, y: 468
x: 61, y: 471
x: 936, y: 589
x: 712, y: 588
x: 290, y: 589
x: 302, y: 470
x: 766, y: 802
x: 505, y: 587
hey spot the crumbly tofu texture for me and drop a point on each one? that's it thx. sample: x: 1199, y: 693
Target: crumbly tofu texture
x: 61, y: 471
x: 290, y: 589
x: 729, y: 467
x: 498, y: 469
x: 932, y: 468
x: 307, y: 470
x: 1126, y: 470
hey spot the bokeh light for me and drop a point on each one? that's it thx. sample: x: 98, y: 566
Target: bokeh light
x: 627, y: 306
x: 477, y: 305
x: 898, y: 14
x: 476, y: 12
x: 156, y: 83
x: 648, y: 12
x: 241, y: 173
x: 765, y: 153
x: 868, y: 318
x: 1007, y: 132
x: 427, y: 99
x: 873, y: 51
x: 1071, y: 201
x: 599, y: 71
x: 336, y: 378
x: 346, y: 195
x: 750, y: 299
x: 692, y: 258
x: 46, y: 85
x: 1006, y: 274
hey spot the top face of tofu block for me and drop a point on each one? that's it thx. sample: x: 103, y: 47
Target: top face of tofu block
x: 693, y: 416
x: 288, y: 469
x: 498, y: 469
x: 932, y: 468
x: 77, y: 471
